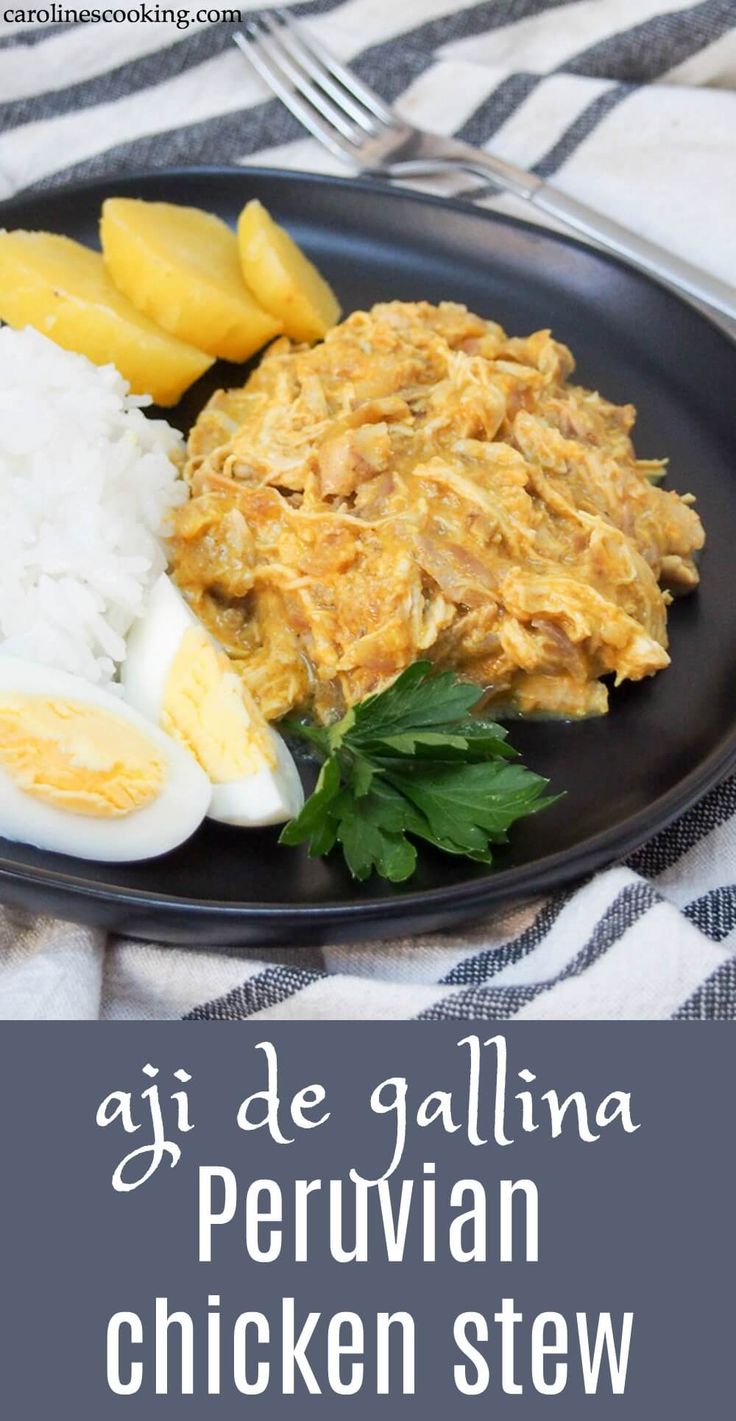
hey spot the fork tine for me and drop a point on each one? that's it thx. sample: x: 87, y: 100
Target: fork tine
x: 303, y: 86
x: 292, y: 38
x: 349, y: 81
x: 301, y: 109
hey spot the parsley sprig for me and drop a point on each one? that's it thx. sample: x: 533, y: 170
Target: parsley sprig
x: 412, y: 763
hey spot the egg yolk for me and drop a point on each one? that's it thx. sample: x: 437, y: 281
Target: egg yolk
x: 206, y: 707
x: 77, y: 757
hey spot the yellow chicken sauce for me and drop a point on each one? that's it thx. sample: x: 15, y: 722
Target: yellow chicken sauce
x: 421, y: 484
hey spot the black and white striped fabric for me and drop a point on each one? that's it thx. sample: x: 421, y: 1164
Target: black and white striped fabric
x: 630, y: 104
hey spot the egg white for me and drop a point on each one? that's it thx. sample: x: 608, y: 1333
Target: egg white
x: 146, y: 832
x: 271, y: 794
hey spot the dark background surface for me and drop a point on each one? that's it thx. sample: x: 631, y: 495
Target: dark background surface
x: 639, y: 1222
x: 665, y: 741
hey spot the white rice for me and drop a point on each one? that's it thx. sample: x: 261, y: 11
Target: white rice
x: 86, y: 483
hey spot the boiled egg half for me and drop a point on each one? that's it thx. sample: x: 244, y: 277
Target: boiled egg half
x: 176, y: 674
x: 82, y: 773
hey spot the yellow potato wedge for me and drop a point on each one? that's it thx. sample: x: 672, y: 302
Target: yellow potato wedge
x: 180, y: 266
x: 282, y: 278
x: 63, y: 289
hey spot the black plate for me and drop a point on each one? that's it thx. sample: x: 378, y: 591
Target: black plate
x: 665, y: 741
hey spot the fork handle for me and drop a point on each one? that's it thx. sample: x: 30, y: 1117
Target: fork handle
x: 646, y: 255
x: 674, y: 271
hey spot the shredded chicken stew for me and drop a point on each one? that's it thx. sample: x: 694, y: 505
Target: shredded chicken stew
x: 420, y: 484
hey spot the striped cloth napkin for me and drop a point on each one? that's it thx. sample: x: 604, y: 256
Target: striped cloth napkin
x: 630, y: 104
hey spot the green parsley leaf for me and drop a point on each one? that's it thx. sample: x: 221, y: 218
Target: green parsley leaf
x: 471, y: 805
x: 373, y: 838
x: 412, y: 762
x: 417, y: 701
x: 316, y: 810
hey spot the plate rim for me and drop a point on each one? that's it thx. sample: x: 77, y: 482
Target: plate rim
x: 462, y: 205
x: 522, y: 881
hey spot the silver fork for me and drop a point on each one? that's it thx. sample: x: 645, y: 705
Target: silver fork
x: 355, y: 125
